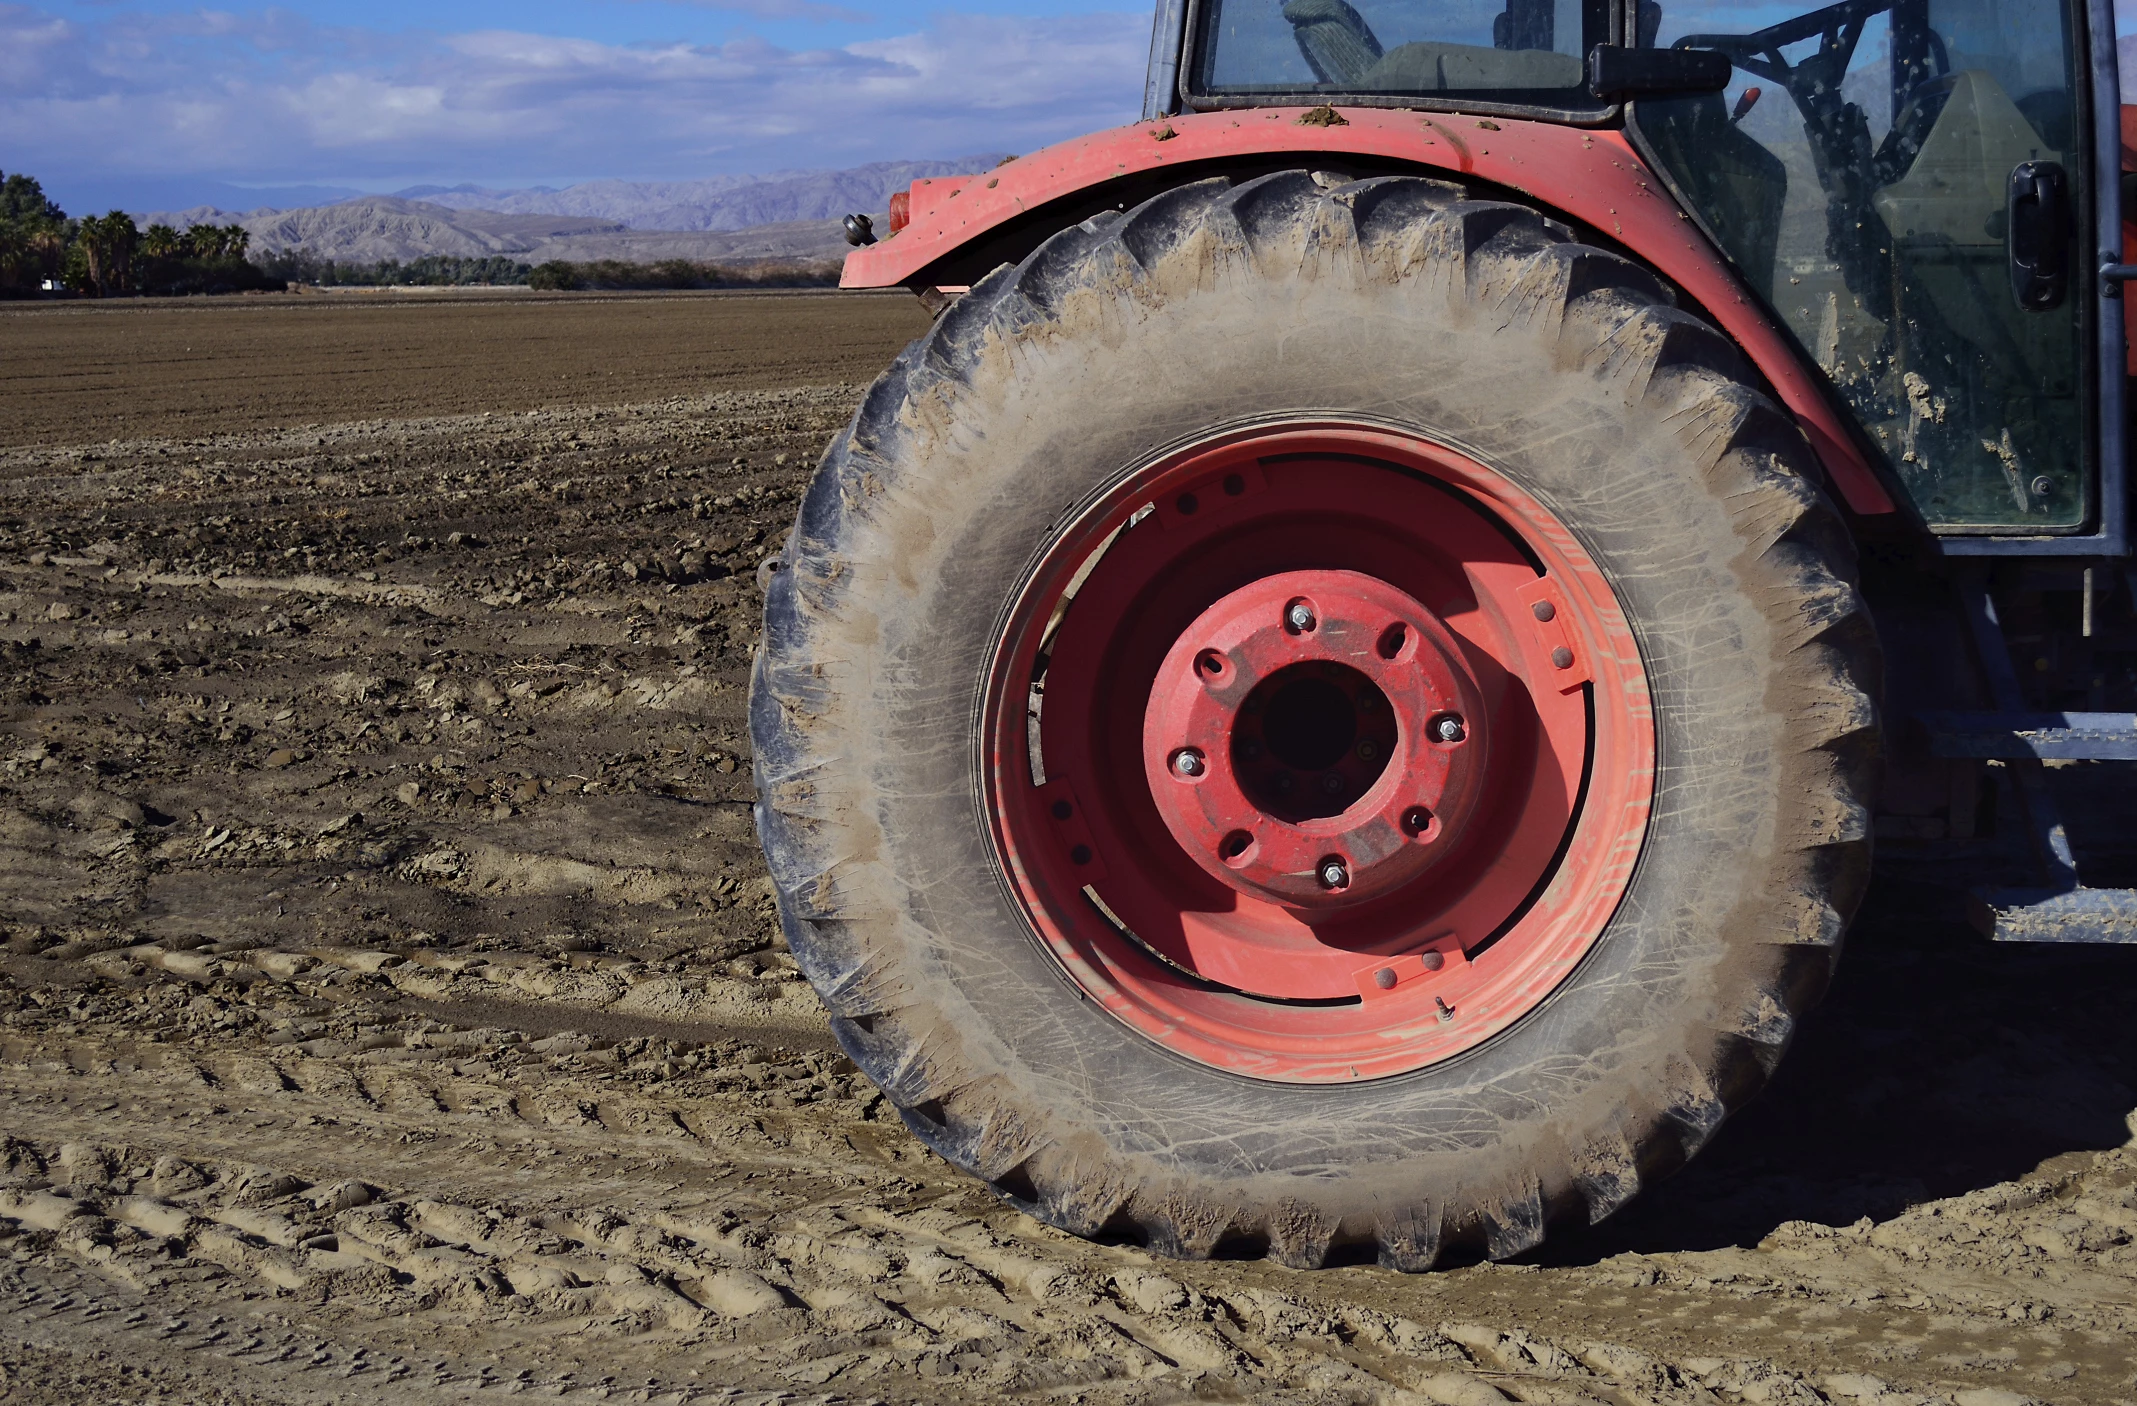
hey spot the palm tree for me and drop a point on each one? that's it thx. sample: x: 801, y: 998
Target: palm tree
x: 108, y: 243
x: 163, y: 242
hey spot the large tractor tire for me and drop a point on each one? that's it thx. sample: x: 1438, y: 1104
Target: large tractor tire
x: 1317, y: 718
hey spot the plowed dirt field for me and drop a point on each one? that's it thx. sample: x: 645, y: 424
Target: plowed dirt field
x: 392, y: 1009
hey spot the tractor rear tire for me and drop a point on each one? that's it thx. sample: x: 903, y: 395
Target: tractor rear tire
x: 1393, y: 307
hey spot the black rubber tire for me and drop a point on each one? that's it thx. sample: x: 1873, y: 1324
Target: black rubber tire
x: 1564, y: 367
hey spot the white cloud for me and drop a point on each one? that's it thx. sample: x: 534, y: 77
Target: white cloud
x: 271, y: 97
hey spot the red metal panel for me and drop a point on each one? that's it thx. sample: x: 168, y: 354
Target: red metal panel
x: 1596, y: 177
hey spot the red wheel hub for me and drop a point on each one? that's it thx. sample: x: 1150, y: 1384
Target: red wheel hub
x: 1317, y: 752
x: 1315, y: 738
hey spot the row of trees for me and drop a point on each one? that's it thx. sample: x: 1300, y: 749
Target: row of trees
x: 430, y: 271
x: 686, y: 273
x: 107, y: 255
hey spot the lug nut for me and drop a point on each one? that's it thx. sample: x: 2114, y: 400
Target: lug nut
x: 1368, y: 749
x: 1300, y: 616
x: 1334, y: 873
x: 1449, y: 729
x: 1332, y: 783
x: 1188, y: 762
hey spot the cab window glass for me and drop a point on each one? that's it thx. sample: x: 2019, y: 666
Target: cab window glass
x: 1510, y: 51
x: 1900, y: 179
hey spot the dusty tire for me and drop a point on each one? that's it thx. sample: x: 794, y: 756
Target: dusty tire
x: 1568, y: 372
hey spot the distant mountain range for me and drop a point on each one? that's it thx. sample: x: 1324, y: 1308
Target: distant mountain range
x: 787, y: 214
x: 720, y: 202
x: 373, y: 228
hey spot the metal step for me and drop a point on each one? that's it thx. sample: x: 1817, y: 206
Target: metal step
x: 2097, y: 737
x: 2061, y: 909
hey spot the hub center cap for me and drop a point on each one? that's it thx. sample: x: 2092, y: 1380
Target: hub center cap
x: 1315, y: 738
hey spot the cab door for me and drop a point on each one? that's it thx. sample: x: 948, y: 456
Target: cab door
x: 1913, y: 186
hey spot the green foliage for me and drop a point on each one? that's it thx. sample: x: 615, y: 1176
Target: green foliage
x: 686, y: 273
x: 555, y: 275
x: 107, y: 255
x: 200, y: 259
x: 431, y: 271
x: 23, y: 199
x: 108, y: 242
x: 34, y: 235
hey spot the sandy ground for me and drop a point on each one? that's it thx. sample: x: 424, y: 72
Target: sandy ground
x: 391, y: 1007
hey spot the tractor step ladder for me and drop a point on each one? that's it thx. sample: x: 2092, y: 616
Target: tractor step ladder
x: 2060, y: 909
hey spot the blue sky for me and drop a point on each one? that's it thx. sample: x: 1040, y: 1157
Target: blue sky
x: 99, y: 97
x: 139, y: 101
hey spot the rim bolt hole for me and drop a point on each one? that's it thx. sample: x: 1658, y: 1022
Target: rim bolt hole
x: 1234, y: 485
x: 1392, y: 640
x: 1063, y: 810
x: 1299, y: 617
x: 1447, y: 727
x: 1188, y: 762
x: 1333, y: 873
x: 1232, y: 849
x: 1081, y: 854
x: 1210, y: 664
x: 1416, y: 821
x: 1187, y: 503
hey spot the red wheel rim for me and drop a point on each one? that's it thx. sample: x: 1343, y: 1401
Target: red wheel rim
x: 1318, y: 753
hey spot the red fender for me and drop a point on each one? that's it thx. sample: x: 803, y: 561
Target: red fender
x: 1594, y: 176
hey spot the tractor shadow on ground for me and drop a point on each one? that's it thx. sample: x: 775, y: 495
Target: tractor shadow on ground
x: 1939, y: 1064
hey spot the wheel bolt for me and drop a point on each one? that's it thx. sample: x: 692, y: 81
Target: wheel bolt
x: 1332, y: 783
x: 1449, y: 729
x: 1544, y: 610
x: 1384, y: 978
x: 1188, y: 762
x: 1300, y: 616
x: 1368, y: 749
x: 1334, y: 873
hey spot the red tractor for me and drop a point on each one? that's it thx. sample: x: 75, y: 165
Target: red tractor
x: 1336, y: 705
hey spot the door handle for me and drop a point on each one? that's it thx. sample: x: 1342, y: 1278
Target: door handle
x: 2037, y: 236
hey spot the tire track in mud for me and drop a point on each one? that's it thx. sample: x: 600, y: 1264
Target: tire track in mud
x: 392, y: 1010
x: 516, y: 1212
